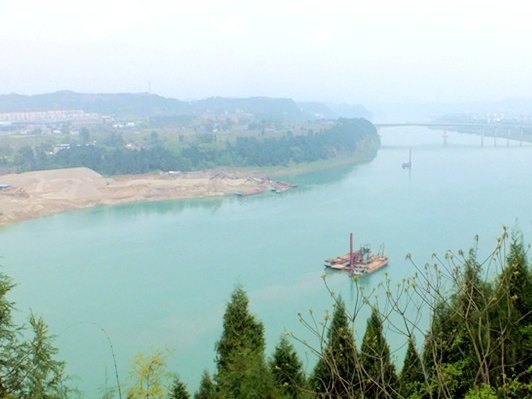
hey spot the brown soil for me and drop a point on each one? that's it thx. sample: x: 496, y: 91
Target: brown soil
x: 34, y: 194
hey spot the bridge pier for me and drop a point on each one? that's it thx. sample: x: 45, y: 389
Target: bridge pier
x: 472, y: 127
x: 445, y: 135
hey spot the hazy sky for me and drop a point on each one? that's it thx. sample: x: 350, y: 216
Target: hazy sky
x: 332, y: 50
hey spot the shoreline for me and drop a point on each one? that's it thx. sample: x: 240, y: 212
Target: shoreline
x: 35, y: 194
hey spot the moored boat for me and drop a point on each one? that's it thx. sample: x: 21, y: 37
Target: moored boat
x: 358, y: 262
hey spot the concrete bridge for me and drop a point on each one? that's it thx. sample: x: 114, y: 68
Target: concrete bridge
x: 455, y: 125
x: 509, y: 131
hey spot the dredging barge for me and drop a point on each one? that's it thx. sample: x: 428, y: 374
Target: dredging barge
x: 358, y: 262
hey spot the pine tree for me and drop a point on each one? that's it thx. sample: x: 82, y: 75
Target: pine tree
x: 446, y: 355
x: 207, y: 388
x: 471, y: 345
x: 287, y: 370
x: 178, y: 390
x: 518, y: 278
x: 242, y: 370
x: 379, y: 378
x: 11, y: 354
x: 44, y: 375
x: 240, y: 330
x: 412, y: 377
x: 513, y: 319
x: 468, y: 337
x: 458, y: 342
x: 336, y: 373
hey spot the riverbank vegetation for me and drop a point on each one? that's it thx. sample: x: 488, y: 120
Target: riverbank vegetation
x: 478, y: 343
x: 113, y: 154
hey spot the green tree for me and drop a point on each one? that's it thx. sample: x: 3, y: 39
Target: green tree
x: 114, y: 140
x: 458, y: 343
x: 445, y: 354
x: 25, y: 158
x: 481, y: 392
x: 178, y: 390
x: 11, y: 353
x: 379, y: 378
x: 242, y: 370
x: 154, y: 139
x: 44, y: 375
x: 511, y: 322
x: 518, y: 387
x: 207, y: 388
x: 287, y: 370
x: 517, y: 278
x: 149, y: 377
x: 336, y: 374
x: 84, y: 135
x: 412, y: 376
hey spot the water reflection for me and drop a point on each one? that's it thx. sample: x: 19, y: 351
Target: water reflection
x: 305, y: 182
x: 322, y: 177
x: 141, y: 208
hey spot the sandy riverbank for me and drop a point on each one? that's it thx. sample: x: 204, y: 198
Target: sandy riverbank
x: 33, y: 194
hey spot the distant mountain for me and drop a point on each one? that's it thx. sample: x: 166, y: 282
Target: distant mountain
x: 334, y: 110
x: 123, y: 104
x: 149, y: 105
x: 317, y: 110
x: 261, y: 107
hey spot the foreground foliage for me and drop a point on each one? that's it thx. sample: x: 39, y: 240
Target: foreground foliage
x: 478, y: 343
x: 28, y: 368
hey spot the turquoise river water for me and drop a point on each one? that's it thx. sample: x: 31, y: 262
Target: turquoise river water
x: 158, y: 275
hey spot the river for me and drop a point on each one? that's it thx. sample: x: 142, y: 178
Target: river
x: 158, y: 275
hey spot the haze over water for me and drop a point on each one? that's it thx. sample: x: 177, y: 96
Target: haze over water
x: 158, y: 275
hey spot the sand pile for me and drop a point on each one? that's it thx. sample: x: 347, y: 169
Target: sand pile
x: 39, y: 193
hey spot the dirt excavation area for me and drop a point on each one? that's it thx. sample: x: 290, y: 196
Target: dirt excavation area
x: 33, y: 194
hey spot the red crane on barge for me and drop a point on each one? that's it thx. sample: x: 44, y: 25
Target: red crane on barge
x: 358, y: 262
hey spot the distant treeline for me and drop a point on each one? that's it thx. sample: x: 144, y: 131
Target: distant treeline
x: 208, y: 151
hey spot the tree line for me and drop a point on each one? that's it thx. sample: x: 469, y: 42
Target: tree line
x: 478, y: 344
x: 113, y: 158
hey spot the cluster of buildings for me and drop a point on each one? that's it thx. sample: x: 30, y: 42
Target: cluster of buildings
x: 48, y: 122
x: 496, y: 118
x: 56, y: 116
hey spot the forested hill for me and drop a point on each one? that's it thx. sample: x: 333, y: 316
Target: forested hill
x: 145, y: 105
x: 122, y: 104
x: 353, y: 138
x: 149, y: 105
